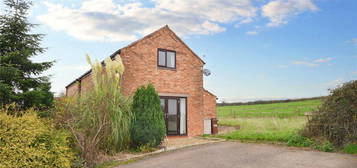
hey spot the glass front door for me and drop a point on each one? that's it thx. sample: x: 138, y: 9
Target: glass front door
x: 172, y: 116
x: 175, y: 114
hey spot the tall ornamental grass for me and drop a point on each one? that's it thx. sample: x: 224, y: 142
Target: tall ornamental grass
x: 99, y: 117
x: 106, y: 98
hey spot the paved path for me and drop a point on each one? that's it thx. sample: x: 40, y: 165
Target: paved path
x: 245, y: 155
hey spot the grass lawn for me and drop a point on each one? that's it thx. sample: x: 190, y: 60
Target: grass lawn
x: 266, y: 122
x: 264, y: 129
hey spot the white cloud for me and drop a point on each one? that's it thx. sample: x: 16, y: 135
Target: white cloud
x: 105, y: 20
x: 355, y: 72
x: 110, y: 20
x: 280, y: 11
x: 353, y: 41
x: 252, y: 32
x: 222, y: 11
x: 313, y: 63
x: 245, y: 21
x: 305, y: 63
x: 322, y: 60
x: 282, y: 66
x: 82, y: 68
x: 333, y: 84
x: 251, y: 99
x: 105, y: 6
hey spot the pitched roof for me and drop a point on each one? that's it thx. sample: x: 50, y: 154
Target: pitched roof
x: 112, y: 56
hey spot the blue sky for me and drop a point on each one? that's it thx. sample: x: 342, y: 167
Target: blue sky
x: 256, y: 49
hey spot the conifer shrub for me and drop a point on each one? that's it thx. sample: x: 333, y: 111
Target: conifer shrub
x: 27, y: 141
x: 148, y: 127
x: 336, y: 118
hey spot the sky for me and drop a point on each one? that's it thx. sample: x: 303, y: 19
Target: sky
x: 255, y: 49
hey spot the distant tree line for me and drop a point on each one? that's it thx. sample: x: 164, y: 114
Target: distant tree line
x: 267, y: 101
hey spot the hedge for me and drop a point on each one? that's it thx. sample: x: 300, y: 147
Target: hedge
x: 336, y: 119
x: 27, y: 141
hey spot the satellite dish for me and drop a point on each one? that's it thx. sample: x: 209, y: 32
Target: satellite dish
x: 206, y: 72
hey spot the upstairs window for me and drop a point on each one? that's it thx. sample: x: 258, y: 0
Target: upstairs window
x: 166, y: 58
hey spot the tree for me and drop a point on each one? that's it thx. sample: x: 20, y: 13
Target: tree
x: 148, y: 127
x: 20, y: 77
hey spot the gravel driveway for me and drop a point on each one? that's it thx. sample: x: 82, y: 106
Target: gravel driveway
x: 245, y: 155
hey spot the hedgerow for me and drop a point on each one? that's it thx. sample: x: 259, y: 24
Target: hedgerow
x: 336, y: 119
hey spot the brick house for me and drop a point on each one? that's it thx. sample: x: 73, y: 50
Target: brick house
x: 163, y: 59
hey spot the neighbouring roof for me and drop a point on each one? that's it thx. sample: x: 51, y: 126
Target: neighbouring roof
x: 210, y: 93
x: 135, y: 42
x: 89, y: 71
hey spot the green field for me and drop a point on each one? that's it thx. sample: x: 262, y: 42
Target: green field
x: 283, y: 110
x: 266, y: 122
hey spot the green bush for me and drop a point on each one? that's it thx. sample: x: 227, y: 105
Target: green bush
x: 350, y: 148
x: 325, y: 147
x: 27, y: 141
x: 299, y: 141
x: 336, y: 119
x: 148, y: 127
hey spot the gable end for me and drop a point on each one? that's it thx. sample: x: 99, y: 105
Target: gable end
x: 166, y: 27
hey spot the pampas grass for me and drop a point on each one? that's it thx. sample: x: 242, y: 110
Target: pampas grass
x: 100, y: 117
x: 106, y: 100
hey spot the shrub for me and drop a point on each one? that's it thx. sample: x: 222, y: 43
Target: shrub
x: 99, y: 118
x: 325, y: 147
x: 336, y: 119
x: 27, y: 141
x: 350, y: 148
x: 299, y: 141
x: 148, y: 126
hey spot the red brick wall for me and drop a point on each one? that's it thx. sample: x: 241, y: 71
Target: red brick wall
x: 86, y: 83
x: 80, y: 86
x: 72, y: 90
x: 209, y: 105
x: 140, y: 61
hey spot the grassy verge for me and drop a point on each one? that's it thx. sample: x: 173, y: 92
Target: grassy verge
x: 278, y: 122
x: 263, y: 129
x: 281, y: 130
x: 350, y: 149
x: 114, y: 163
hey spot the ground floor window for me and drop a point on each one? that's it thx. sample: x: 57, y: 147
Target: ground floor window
x: 175, y: 114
